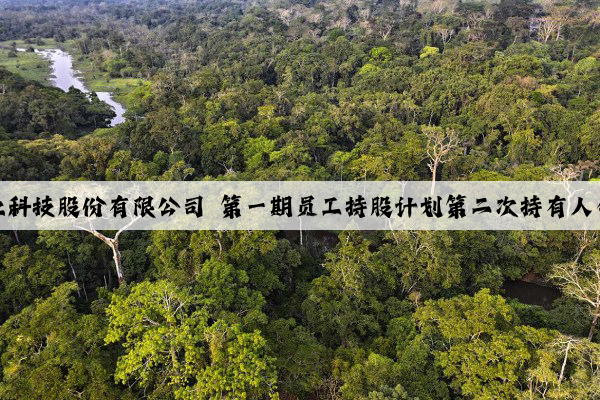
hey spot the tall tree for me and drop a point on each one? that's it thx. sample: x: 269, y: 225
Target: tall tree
x: 582, y: 282
x: 441, y: 144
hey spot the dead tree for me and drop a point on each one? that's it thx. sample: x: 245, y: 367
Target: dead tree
x: 573, y: 172
x: 86, y: 219
x: 441, y: 146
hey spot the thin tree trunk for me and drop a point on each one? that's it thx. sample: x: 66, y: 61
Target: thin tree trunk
x: 114, y: 245
x: 84, y: 291
x: 594, y: 322
x: 17, y: 236
x: 74, y: 274
x: 220, y: 247
x: 564, y: 364
x: 433, y: 174
x: 108, y: 271
x: 301, y: 241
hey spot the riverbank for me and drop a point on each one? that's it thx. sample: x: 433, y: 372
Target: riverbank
x: 97, y: 80
x: 31, y: 65
x: 65, y: 77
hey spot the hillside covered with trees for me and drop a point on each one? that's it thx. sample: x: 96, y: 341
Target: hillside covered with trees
x: 304, y: 90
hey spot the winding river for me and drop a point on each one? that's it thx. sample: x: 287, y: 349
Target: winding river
x: 64, y: 76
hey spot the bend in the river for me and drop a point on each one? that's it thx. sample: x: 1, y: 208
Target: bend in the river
x: 64, y: 77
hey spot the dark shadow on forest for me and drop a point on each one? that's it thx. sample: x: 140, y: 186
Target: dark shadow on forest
x: 531, y: 293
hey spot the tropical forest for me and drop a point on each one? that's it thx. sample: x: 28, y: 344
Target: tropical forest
x: 299, y: 90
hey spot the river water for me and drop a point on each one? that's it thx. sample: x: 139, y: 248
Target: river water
x: 64, y: 77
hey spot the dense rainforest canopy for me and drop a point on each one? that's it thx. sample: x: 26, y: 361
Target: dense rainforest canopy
x: 304, y: 90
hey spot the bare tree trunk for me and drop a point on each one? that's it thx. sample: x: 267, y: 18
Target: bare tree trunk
x: 403, y: 184
x: 108, y: 272
x: 114, y: 245
x: 73, y: 272
x: 387, y: 32
x: 433, y: 174
x: 564, y: 364
x: 17, y: 237
x: 594, y: 322
x: 84, y: 291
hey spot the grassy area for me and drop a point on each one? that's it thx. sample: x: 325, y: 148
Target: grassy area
x: 28, y: 65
